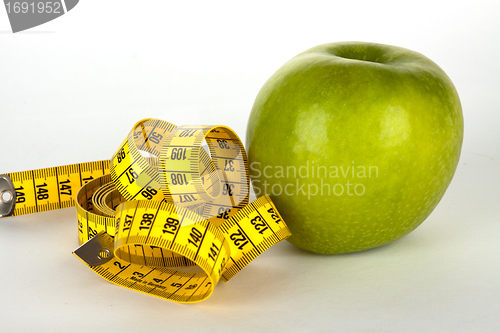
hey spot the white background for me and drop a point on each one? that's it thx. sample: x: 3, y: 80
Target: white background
x: 71, y: 89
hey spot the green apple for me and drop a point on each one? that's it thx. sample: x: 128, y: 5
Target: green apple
x: 356, y: 143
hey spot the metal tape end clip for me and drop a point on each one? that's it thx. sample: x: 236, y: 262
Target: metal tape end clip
x: 7, y: 196
x: 97, y: 250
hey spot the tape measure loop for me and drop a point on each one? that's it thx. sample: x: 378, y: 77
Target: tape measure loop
x: 136, y: 176
x: 170, y: 200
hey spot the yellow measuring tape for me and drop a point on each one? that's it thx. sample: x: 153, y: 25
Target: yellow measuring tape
x: 171, y: 197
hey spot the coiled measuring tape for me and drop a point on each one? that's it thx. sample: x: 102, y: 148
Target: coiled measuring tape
x: 165, y: 201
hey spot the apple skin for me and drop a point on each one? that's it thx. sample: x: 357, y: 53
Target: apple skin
x: 362, y: 105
